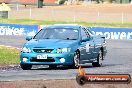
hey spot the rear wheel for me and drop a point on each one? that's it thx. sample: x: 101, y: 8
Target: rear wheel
x: 26, y: 66
x: 99, y: 60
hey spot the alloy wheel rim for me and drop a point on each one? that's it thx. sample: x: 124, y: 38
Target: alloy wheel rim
x: 100, y: 58
x: 76, y: 61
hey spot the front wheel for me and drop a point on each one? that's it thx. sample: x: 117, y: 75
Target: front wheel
x: 76, y: 60
x: 99, y: 60
x: 26, y: 66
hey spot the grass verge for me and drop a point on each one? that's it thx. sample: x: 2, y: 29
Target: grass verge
x: 43, y: 22
x: 9, y: 55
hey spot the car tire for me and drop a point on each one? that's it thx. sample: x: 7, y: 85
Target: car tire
x: 99, y: 60
x: 81, y: 80
x: 26, y: 66
x: 76, y: 60
x: 52, y: 66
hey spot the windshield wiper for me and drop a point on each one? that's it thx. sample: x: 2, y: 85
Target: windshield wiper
x: 46, y: 38
x: 73, y: 39
x: 70, y: 39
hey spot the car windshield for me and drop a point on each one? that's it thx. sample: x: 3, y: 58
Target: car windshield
x: 57, y: 33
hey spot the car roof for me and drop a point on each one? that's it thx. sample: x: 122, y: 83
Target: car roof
x: 64, y: 26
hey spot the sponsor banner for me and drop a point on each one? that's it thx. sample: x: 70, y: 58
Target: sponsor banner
x: 103, y: 78
x: 18, y: 29
x: 83, y: 77
x: 31, y: 30
x: 113, y: 33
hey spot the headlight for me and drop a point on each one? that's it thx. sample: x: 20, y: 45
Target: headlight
x: 25, y: 50
x: 63, y: 50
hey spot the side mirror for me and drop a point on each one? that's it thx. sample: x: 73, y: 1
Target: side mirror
x: 86, y: 39
x: 28, y: 38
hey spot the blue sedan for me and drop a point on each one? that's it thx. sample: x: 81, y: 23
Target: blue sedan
x: 63, y: 44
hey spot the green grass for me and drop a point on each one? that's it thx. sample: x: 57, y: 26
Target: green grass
x: 9, y: 55
x: 43, y: 22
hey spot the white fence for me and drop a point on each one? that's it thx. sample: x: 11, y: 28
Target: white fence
x: 70, y: 15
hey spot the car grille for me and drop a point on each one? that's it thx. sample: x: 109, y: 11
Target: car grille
x: 49, y: 59
x: 43, y: 50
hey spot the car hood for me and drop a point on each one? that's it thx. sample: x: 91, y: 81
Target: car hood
x: 50, y: 43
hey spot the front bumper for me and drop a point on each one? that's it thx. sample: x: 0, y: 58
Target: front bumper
x: 52, y: 58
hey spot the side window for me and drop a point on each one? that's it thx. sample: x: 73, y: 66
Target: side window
x: 84, y: 33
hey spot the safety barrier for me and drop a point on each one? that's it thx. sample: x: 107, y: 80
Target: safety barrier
x: 30, y: 30
x: 18, y: 29
x: 113, y: 33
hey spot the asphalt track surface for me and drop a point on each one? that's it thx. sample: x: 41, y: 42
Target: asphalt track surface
x: 118, y: 60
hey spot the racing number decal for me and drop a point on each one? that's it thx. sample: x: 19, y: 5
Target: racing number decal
x: 87, y: 47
